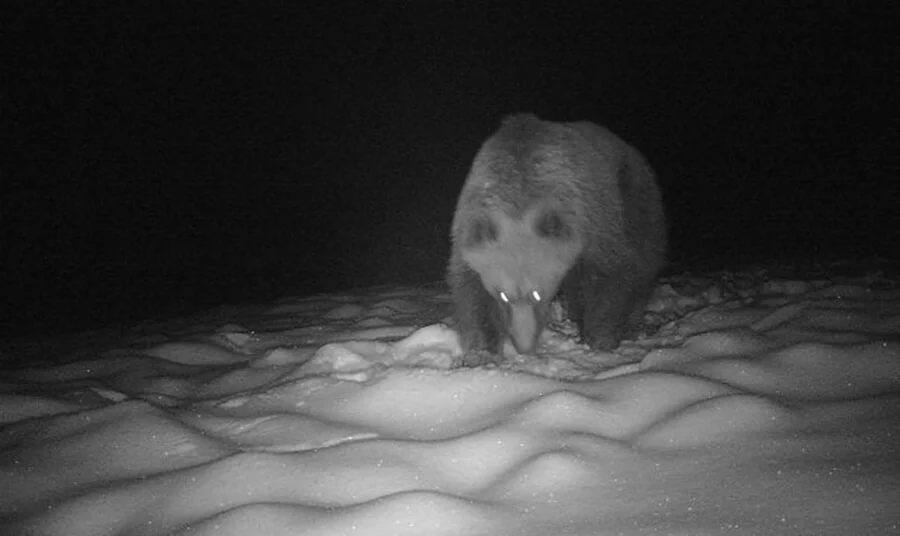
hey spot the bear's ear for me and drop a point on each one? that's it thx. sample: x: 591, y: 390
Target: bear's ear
x: 481, y: 230
x: 552, y: 225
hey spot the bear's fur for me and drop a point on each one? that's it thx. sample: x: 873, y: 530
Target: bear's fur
x: 549, y: 208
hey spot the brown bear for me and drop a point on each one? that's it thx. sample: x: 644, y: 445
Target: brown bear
x: 553, y: 208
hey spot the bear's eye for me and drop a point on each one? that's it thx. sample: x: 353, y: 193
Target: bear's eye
x: 482, y: 231
x: 536, y: 296
x: 503, y: 297
x: 552, y: 225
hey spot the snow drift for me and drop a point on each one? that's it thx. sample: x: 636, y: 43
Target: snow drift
x: 758, y: 405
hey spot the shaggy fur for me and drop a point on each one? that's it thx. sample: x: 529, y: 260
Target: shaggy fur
x: 553, y: 208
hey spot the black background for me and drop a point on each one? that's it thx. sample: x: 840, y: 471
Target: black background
x: 166, y: 157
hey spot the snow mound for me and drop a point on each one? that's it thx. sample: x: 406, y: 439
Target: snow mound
x: 752, y: 405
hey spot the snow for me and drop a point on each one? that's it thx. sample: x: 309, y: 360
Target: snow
x: 753, y: 404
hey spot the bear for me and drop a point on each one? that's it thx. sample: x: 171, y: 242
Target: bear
x: 553, y: 210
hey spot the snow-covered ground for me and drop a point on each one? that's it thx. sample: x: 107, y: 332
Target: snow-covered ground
x: 757, y: 405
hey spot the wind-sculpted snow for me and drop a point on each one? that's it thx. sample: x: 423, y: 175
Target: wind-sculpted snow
x: 753, y: 406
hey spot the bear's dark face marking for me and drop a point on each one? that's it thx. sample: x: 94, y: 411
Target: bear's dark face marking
x: 551, y: 225
x: 482, y: 230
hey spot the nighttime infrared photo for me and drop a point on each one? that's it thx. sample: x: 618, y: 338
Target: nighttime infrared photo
x: 449, y: 268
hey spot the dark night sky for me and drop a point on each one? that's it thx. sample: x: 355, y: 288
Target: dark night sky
x: 166, y: 158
